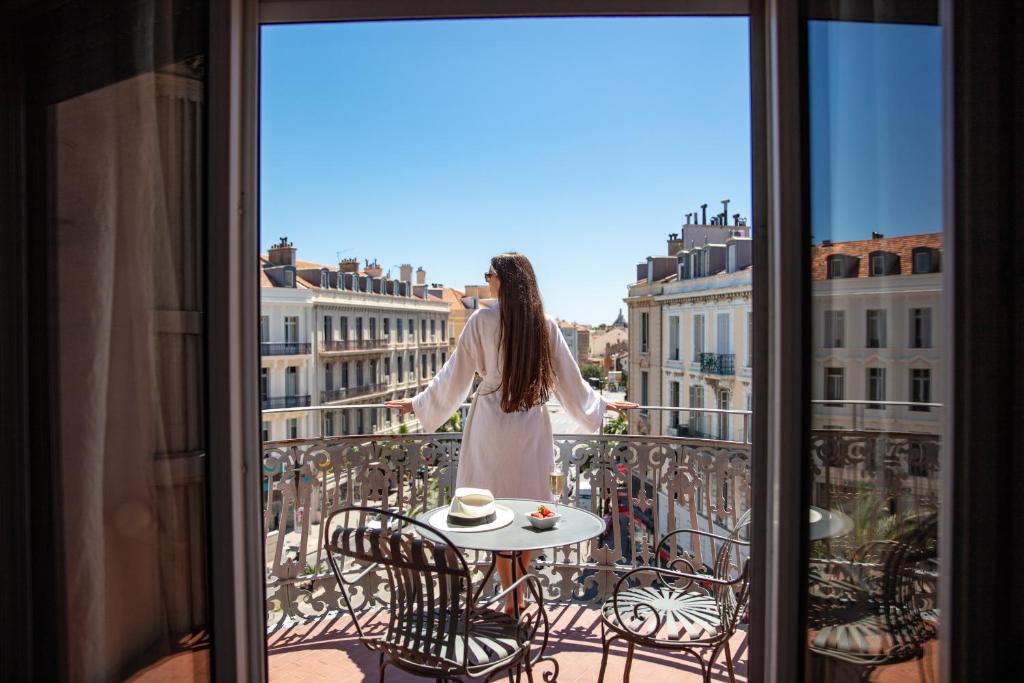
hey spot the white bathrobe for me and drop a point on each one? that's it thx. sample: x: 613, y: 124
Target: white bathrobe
x: 509, y: 453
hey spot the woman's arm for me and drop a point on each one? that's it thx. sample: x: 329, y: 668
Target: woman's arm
x: 448, y: 389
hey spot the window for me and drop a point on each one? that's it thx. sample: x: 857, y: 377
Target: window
x: 876, y: 328
x: 328, y: 328
x: 876, y: 387
x: 264, y: 384
x: 673, y: 337
x: 444, y: 358
x: 346, y: 427
x: 883, y: 263
x: 360, y: 379
x: 723, y: 418
x: 401, y: 331
x: 920, y: 388
x: 387, y: 370
x: 328, y: 423
x: 329, y: 377
x: 291, y: 329
x: 344, y: 376
x: 731, y: 265
x: 696, y: 416
x: 401, y: 377
x: 877, y: 265
x: 343, y: 331
x: 291, y: 381
x: 289, y: 277
x: 423, y: 366
x: 920, y: 328
x: 360, y: 426
x: 835, y: 329
x: 324, y: 279
x: 373, y: 372
x: 643, y: 391
x: 264, y: 329
x: 359, y: 329
x: 433, y: 329
x: 643, y: 332
x: 673, y: 400
x: 265, y: 431
x: 412, y: 366
x: 293, y: 427
x: 433, y: 364
x: 412, y: 330
x: 925, y: 260
x: 423, y: 330
x: 698, y: 336
x: 444, y: 331
x: 387, y: 329
x: 723, y: 336
x: 834, y: 384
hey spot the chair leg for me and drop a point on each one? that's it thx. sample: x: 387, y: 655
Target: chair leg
x: 381, y: 665
x: 605, y: 644
x: 629, y: 663
x: 728, y: 663
x: 711, y: 664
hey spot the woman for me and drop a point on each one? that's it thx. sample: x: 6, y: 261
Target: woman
x: 522, y: 359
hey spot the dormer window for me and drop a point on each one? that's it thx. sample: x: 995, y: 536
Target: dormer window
x: 925, y: 260
x: 842, y: 266
x: 325, y: 279
x: 731, y: 260
x: 289, y: 277
x: 883, y: 263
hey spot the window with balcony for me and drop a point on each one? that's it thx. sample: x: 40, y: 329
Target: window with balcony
x: 920, y: 328
x: 264, y: 384
x: 835, y: 329
x: 444, y: 358
x: 696, y: 417
x: 329, y: 376
x: 644, y: 331
x: 444, y: 330
x: 876, y: 387
x: 433, y: 329
x: 328, y: 328
x: 360, y: 378
x: 412, y: 367
x: 291, y: 381
x: 344, y: 376
x: 423, y: 366
x: 291, y: 329
x: 835, y: 384
x: 920, y: 388
x: 876, y: 332
x: 387, y: 370
x: 359, y: 328
x: 373, y: 372
x: 433, y: 364
x: 401, y: 375
x: 343, y: 330
x: 412, y: 330
x: 400, y: 330
x: 328, y: 423
x: 673, y: 337
x: 264, y: 329
x: 387, y: 329
x: 698, y: 337
x: 373, y: 329
x: 423, y: 331
x: 723, y: 418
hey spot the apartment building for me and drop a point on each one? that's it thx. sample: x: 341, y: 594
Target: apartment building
x: 876, y: 305
x: 343, y: 336
x: 461, y: 305
x: 690, y: 326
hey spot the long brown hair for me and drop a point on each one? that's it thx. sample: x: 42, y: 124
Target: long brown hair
x: 528, y: 371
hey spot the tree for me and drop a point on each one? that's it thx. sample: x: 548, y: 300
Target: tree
x: 454, y: 424
x: 590, y: 371
x: 618, y: 425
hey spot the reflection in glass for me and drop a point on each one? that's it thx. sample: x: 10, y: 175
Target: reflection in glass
x: 876, y: 284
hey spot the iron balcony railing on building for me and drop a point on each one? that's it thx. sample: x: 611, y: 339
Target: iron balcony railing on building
x: 350, y: 345
x: 298, y: 401
x: 718, y: 363
x: 285, y: 348
x: 350, y: 392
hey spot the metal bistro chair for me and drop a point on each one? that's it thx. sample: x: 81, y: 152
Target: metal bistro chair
x: 435, y: 627
x: 681, y: 610
x: 877, y: 608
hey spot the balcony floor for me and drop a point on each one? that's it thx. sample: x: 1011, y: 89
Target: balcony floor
x: 329, y: 650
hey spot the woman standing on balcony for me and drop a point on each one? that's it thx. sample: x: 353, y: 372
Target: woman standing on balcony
x: 522, y: 359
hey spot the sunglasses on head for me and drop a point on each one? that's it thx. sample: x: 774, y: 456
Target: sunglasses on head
x: 489, y: 274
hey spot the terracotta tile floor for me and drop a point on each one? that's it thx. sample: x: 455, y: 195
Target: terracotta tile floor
x: 328, y: 650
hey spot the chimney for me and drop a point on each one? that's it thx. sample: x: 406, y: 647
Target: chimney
x: 421, y: 276
x: 282, y: 253
x: 725, y: 211
x: 674, y: 243
x: 876, y: 235
x: 406, y: 272
x: 688, y: 219
x: 349, y: 265
x: 735, y: 219
x: 373, y: 269
x: 704, y: 214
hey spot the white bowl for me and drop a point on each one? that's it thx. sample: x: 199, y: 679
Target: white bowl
x: 545, y: 523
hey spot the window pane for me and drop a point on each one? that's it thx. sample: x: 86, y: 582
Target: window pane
x: 875, y: 160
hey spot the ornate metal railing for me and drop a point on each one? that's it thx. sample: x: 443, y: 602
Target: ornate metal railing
x: 643, y: 486
x: 339, y: 345
x: 295, y: 401
x: 718, y: 363
x: 341, y: 394
x: 284, y: 348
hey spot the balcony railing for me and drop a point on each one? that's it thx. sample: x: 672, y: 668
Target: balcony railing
x: 718, y: 363
x: 351, y: 345
x: 351, y: 392
x: 299, y: 401
x: 285, y: 348
x: 634, y: 481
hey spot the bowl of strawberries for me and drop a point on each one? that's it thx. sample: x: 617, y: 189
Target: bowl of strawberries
x: 543, y: 517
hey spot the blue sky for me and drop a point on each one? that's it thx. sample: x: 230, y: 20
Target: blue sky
x: 580, y: 142
x: 876, y: 144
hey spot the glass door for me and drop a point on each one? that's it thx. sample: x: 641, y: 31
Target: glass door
x: 878, y: 361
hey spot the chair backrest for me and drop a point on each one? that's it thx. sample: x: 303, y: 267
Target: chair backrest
x: 731, y: 566
x: 905, y: 577
x: 429, y: 583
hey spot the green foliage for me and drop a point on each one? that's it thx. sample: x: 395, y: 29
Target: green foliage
x: 591, y: 371
x: 618, y: 425
x: 403, y: 428
x: 454, y: 424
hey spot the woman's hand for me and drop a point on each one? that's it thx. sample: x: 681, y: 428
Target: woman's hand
x: 622, y: 406
x: 402, y: 405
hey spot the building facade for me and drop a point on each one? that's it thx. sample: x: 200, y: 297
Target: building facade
x: 690, y: 326
x: 343, y: 336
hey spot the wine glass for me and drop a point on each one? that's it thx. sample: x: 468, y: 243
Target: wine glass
x: 556, y: 482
